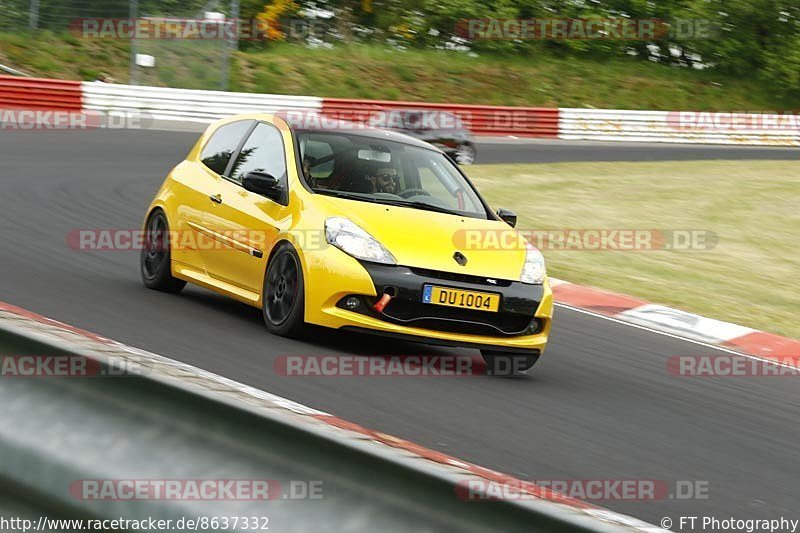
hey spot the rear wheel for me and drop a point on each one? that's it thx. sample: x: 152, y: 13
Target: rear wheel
x: 283, y: 301
x: 156, y: 259
x: 508, y: 364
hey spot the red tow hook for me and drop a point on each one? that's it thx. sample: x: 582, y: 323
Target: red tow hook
x: 382, y: 303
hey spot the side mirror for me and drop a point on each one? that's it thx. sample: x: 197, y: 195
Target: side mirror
x: 507, y: 216
x: 263, y: 184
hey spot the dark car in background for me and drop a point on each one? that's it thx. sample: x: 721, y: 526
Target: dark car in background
x: 442, y: 129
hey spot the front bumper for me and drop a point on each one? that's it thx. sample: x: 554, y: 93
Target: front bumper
x: 515, y: 317
x: 522, y: 323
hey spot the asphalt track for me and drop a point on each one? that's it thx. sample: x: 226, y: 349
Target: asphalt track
x: 600, y: 405
x: 555, y: 151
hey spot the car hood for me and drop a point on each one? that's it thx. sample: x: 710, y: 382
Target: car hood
x: 426, y: 239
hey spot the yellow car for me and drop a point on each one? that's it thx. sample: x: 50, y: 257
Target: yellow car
x: 350, y: 228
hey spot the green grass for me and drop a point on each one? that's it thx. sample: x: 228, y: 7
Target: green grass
x: 381, y: 73
x: 440, y: 76
x: 63, y: 56
x: 749, y: 278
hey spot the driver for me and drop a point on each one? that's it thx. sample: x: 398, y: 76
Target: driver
x: 383, y: 179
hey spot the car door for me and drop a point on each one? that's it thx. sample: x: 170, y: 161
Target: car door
x: 197, y: 189
x: 248, y: 223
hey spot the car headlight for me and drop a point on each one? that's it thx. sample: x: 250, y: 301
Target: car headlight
x: 533, y: 271
x: 353, y: 240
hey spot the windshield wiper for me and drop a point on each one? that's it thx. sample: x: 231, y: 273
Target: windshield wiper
x: 388, y: 201
x: 422, y: 205
x: 344, y: 194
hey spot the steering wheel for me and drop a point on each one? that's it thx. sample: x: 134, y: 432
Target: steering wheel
x: 408, y: 193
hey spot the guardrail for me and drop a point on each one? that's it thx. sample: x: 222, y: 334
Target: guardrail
x: 679, y: 127
x: 187, y: 105
x: 40, y: 94
x: 480, y: 119
x: 13, y: 71
x: 148, y: 419
x: 564, y: 123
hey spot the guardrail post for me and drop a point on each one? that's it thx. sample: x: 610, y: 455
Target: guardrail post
x: 34, y: 14
x: 230, y: 46
x: 133, y: 12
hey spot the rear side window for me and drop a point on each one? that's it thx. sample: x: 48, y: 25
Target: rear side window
x: 263, y: 152
x: 223, y: 144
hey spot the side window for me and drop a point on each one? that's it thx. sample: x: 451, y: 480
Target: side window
x: 262, y: 152
x: 315, y: 151
x: 223, y: 143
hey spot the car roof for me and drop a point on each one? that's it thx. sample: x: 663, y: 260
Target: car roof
x: 315, y: 122
x: 352, y: 128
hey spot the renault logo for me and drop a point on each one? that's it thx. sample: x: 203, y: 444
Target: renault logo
x: 460, y: 258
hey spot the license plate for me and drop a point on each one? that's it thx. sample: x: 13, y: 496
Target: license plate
x: 482, y: 301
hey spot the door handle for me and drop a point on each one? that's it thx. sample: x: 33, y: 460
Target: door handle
x: 216, y: 198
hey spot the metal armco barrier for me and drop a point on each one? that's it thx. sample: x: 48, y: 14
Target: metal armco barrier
x: 563, y: 123
x: 679, y: 127
x: 13, y: 71
x: 188, y: 105
x: 162, y: 420
x: 480, y: 119
x: 40, y: 94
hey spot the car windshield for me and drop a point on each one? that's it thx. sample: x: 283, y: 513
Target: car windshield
x: 382, y: 171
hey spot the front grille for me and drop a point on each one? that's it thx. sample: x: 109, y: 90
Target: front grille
x: 463, y: 278
x: 455, y: 320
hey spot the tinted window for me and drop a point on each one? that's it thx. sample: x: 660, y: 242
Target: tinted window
x: 262, y: 152
x: 375, y: 169
x: 222, y: 144
x: 317, y: 151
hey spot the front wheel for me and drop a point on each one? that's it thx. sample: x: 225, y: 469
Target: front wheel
x: 156, y: 258
x: 508, y: 364
x: 283, y: 300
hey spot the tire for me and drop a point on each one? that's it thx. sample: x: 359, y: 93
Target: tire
x: 508, y: 364
x: 155, y: 261
x: 283, y: 298
x: 465, y: 154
